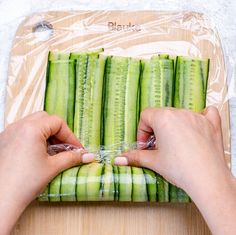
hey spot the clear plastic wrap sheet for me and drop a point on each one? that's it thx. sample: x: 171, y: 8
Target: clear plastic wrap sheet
x: 127, y: 33
x: 137, y: 34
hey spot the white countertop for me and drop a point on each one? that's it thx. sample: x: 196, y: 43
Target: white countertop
x: 221, y: 12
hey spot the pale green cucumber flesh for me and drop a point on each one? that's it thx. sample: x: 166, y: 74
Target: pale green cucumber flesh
x: 125, y: 183
x: 68, y: 184
x: 54, y: 189
x: 81, y: 73
x: 151, y: 182
x: 93, y: 183
x: 139, y: 188
x: 131, y: 99
x: 115, y: 101
x: 81, y: 184
x: 108, y: 183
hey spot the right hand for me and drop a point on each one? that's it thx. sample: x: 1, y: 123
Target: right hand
x: 189, y: 146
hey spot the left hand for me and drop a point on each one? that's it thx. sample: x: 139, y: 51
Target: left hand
x: 25, y: 166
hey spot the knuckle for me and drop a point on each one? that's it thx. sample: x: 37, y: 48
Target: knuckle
x: 135, y: 158
x: 57, y: 118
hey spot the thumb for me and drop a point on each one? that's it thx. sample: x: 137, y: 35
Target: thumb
x: 140, y: 158
x: 65, y: 160
x: 212, y: 115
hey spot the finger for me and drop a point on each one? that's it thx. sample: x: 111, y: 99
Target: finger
x: 139, y: 158
x: 212, y: 115
x: 56, y: 126
x: 65, y: 160
x: 145, y: 129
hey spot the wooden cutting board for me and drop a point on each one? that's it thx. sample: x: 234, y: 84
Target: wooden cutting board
x: 126, y: 33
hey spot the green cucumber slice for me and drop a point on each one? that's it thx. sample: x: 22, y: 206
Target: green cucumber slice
x: 81, y: 184
x: 139, y: 193
x: 108, y: 185
x: 125, y: 183
x: 54, y: 189
x: 93, y: 183
x: 131, y: 99
x: 88, y: 104
x: 157, y: 83
x: 68, y: 184
x: 190, y: 84
x: 163, y: 189
x: 59, y: 95
x: 151, y: 182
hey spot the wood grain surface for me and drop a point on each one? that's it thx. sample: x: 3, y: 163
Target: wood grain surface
x: 147, y: 33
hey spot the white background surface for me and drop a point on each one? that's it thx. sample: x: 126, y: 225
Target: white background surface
x: 221, y: 12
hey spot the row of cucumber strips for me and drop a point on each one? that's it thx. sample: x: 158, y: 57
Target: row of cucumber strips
x: 101, y: 97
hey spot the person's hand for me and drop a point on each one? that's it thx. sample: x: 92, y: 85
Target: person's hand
x: 187, y: 144
x: 189, y: 153
x: 26, y: 167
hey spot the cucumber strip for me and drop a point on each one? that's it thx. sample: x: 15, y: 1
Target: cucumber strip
x: 131, y: 99
x: 120, y: 110
x: 81, y: 189
x: 125, y: 183
x: 93, y: 183
x: 151, y: 182
x: 182, y: 196
x: 190, y: 88
x: 68, y: 184
x: 163, y: 189
x: 71, y: 96
x: 173, y: 193
x: 51, y: 89
x: 80, y: 71
x: 157, y: 83
x: 59, y: 97
x: 108, y: 183
x: 139, y: 193
x: 89, y: 89
x: 54, y: 189
x: 115, y: 101
x: 96, y: 103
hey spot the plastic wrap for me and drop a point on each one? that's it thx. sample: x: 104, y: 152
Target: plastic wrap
x: 137, y: 34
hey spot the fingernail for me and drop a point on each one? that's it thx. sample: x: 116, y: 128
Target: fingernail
x: 88, y: 157
x: 121, y: 161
